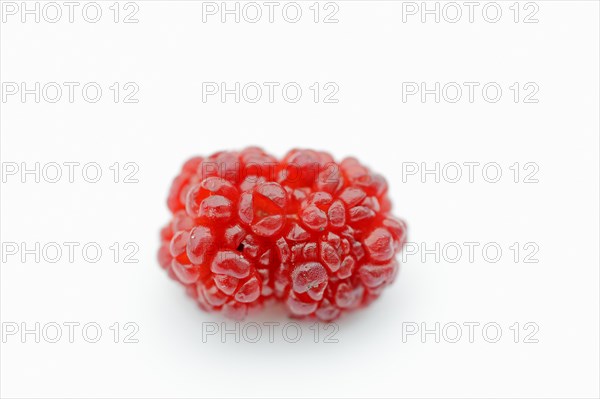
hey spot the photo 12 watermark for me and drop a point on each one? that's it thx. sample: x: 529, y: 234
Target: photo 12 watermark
x: 453, y: 332
x: 69, y: 172
x: 253, y: 12
x: 70, y: 92
x: 470, y: 92
x: 470, y: 172
x: 470, y: 252
x: 53, y: 332
x: 453, y: 12
x: 69, y: 12
x: 289, y: 92
x: 270, y: 332
x: 68, y: 252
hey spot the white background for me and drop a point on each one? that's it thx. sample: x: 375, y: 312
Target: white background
x: 368, y: 54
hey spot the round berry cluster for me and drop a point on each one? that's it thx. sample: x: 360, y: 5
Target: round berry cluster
x: 307, y: 231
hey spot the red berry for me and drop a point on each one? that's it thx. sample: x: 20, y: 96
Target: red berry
x: 306, y: 231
